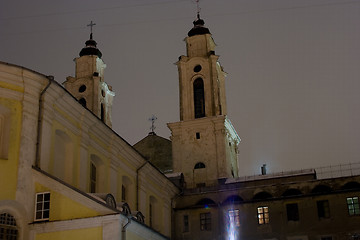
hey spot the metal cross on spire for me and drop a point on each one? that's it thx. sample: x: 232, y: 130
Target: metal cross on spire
x: 152, y: 119
x: 91, y: 28
x: 198, y: 8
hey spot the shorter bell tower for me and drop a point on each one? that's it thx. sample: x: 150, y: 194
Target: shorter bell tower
x: 88, y: 85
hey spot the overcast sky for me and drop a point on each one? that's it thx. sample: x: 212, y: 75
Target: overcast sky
x: 293, y: 67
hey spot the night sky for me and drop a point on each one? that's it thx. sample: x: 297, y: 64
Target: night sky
x: 293, y: 67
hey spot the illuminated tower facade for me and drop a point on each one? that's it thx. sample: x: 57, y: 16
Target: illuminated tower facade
x: 88, y: 85
x: 204, y: 142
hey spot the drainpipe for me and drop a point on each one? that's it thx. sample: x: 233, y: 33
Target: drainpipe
x: 123, y: 230
x: 137, y: 185
x: 39, y: 123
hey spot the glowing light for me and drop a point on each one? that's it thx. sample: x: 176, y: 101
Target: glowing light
x: 233, y: 217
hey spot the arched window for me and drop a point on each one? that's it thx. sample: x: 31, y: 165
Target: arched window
x: 102, y: 112
x: 8, y: 228
x: 63, y: 156
x: 262, y: 195
x: 199, y: 98
x: 82, y: 101
x: 199, y: 165
x: 96, y: 174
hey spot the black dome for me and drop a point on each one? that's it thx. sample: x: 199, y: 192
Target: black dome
x: 198, y: 28
x: 90, y: 48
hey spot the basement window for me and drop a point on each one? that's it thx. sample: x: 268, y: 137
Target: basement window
x: 42, y: 206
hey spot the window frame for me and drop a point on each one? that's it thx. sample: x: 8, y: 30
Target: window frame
x: 8, y: 226
x: 93, y: 177
x: 353, y: 207
x: 263, y: 215
x: 205, y: 221
x: 42, y: 206
x: 234, y: 217
x: 186, y: 227
x: 292, y: 212
x: 323, y: 209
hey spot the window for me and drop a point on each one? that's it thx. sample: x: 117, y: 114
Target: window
x: 92, y: 177
x: 197, y: 135
x: 186, y: 223
x: 263, y: 215
x: 42, y: 206
x: 234, y: 217
x: 150, y: 215
x: 323, y: 209
x: 8, y: 229
x: 123, y: 193
x: 205, y: 221
x: 5, y: 126
x: 199, y: 98
x: 353, y: 206
x: 82, y: 101
x: 292, y: 212
x: 102, y: 113
x: 199, y: 165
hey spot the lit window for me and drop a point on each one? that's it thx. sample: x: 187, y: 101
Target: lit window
x: 292, y: 211
x: 42, y: 206
x: 234, y: 217
x: 323, y: 209
x: 263, y: 215
x: 186, y: 223
x: 205, y: 221
x: 353, y: 206
x: 92, y: 177
x: 8, y: 229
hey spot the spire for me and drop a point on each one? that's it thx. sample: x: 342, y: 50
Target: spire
x: 90, y: 45
x: 198, y: 28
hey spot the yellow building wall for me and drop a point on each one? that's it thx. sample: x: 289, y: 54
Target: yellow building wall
x: 85, y: 233
x: 76, y: 151
x: 134, y: 236
x: 64, y: 208
x: 9, y: 166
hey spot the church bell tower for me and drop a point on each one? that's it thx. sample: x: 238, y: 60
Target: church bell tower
x: 88, y: 85
x: 204, y: 142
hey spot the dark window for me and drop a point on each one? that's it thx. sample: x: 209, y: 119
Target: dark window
x: 102, y: 112
x: 186, y: 223
x: 199, y: 98
x: 263, y: 215
x: 205, y: 221
x: 82, y: 88
x: 92, y: 177
x: 123, y: 193
x: 323, y: 209
x: 150, y: 215
x: 197, y: 135
x: 292, y: 211
x: 197, y: 68
x: 82, y: 101
x: 353, y: 206
x: 8, y: 229
x: 199, y: 165
x: 42, y: 206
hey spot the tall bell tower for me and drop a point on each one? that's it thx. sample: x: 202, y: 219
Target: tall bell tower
x: 204, y: 142
x: 88, y: 85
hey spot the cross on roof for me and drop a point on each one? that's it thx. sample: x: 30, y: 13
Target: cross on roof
x: 152, y: 119
x: 91, y: 26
